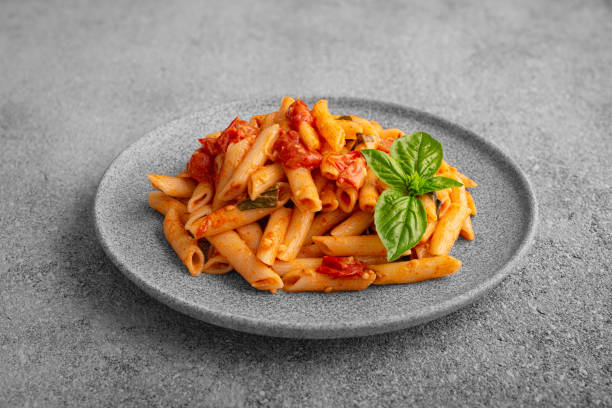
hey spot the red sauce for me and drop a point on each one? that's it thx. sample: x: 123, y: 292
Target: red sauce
x: 201, y: 165
x: 292, y: 152
x: 298, y: 112
x: 352, y: 167
x: 385, y: 145
x: 341, y: 267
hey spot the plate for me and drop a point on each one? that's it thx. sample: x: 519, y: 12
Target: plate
x: 131, y: 233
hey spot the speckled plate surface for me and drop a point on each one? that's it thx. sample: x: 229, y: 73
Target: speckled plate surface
x: 131, y: 234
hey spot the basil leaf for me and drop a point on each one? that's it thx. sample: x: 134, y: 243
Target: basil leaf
x: 418, y: 153
x: 400, y: 222
x: 267, y: 199
x: 437, y: 183
x: 386, y: 168
x: 344, y: 117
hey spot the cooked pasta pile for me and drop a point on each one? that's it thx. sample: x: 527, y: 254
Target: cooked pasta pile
x: 288, y: 201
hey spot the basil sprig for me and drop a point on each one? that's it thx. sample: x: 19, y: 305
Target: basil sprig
x: 409, y: 170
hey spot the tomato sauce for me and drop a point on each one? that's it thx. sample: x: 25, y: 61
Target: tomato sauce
x: 352, y: 167
x: 297, y: 113
x: 341, y: 267
x: 292, y: 152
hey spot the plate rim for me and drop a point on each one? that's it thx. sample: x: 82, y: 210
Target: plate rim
x: 335, y: 329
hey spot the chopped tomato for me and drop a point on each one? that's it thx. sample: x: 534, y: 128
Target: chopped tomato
x: 201, y: 166
x: 352, y: 167
x: 341, y: 267
x: 298, y: 112
x: 292, y: 152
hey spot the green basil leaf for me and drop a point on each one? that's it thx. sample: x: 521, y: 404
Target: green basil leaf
x: 418, y: 153
x: 400, y: 222
x: 437, y: 183
x: 344, y: 117
x: 386, y: 168
x: 267, y: 199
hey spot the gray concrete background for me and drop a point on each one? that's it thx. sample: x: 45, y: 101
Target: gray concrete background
x: 82, y: 80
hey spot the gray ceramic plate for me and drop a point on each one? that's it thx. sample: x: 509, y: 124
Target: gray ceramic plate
x: 131, y: 234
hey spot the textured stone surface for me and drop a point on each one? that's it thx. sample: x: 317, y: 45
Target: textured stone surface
x: 81, y: 81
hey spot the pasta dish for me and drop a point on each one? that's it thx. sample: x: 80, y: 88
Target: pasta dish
x: 304, y: 200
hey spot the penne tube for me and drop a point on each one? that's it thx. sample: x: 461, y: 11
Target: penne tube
x: 253, y: 159
x: 257, y: 120
x: 467, y: 230
x: 274, y: 235
x: 216, y: 264
x: 467, y: 182
x: 372, y: 260
x: 328, y: 128
x: 233, y: 156
x: 251, y: 235
x: 448, y: 228
x: 430, y: 207
x: 323, y: 222
x: 367, y: 128
x: 356, y: 224
x: 281, y: 115
x: 415, y: 270
x: 377, y: 128
x: 445, y: 201
x: 310, y: 251
x: 444, y: 168
x: 283, y: 268
x: 351, y: 129
x: 362, y: 245
x: 231, y: 217
x: 309, y: 280
x: 202, y: 211
x: 296, y: 234
x: 264, y: 178
x: 305, y: 194
x: 368, y: 194
x: 183, y: 174
x: 431, y: 227
x: 328, y: 170
x: 319, y: 180
x: 329, y: 199
x: 421, y: 250
x: 268, y: 120
x: 309, y: 136
x: 347, y: 198
x: 235, y: 250
x: 178, y: 187
x: 201, y: 196
x: 391, y: 134
x: 162, y: 203
x: 183, y: 244
x: 470, y: 203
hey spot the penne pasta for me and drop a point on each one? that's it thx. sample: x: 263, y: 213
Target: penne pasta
x: 310, y: 251
x: 328, y: 128
x: 308, y: 280
x: 329, y: 199
x: 356, y: 224
x: 178, y: 187
x: 251, y: 234
x: 201, y: 196
x: 309, y: 136
x: 287, y: 200
x: 253, y: 159
x: 305, y: 194
x: 183, y: 244
x: 201, y: 212
x: 236, y: 251
x: 347, y: 198
x: 415, y: 270
x: 162, y: 203
x: 368, y: 194
x: 323, y: 222
x: 264, y: 178
x: 448, y: 228
x: 362, y: 245
x: 274, y: 235
x: 296, y: 234
x: 231, y: 217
